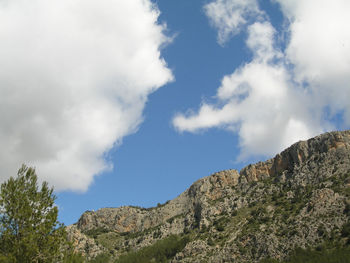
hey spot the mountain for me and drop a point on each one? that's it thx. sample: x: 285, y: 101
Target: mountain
x: 299, y: 198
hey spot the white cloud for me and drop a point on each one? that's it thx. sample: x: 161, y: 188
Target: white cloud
x: 281, y: 97
x: 74, y: 79
x: 319, y: 49
x: 260, y: 102
x: 231, y: 16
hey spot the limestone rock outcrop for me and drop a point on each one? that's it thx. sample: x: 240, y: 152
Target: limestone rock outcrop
x: 298, y: 198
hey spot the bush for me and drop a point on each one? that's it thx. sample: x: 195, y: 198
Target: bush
x: 221, y: 223
x: 345, y: 232
x: 73, y: 258
x: 339, y: 255
x: 334, y: 255
x: 95, y: 232
x: 160, y: 252
x: 101, y: 258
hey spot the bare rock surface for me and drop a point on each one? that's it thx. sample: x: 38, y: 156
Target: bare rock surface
x: 298, y: 198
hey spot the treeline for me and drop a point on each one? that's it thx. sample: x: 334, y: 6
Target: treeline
x: 335, y: 255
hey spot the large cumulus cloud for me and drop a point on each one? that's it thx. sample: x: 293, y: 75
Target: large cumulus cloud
x: 74, y: 79
x: 319, y: 49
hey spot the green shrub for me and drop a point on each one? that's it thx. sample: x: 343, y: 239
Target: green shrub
x: 72, y: 258
x: 96, y: 231
x: 347, y: 209
x: 345, y: 232
x: 221, y: 223
x: 160, y: 252
x: 269, y: 260
x: 101, y: 258
x: 334, y: 255
x: 210, y: 242
x: 339, y: 255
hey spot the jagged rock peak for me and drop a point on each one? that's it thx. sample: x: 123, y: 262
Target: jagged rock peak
x: 281, y: 203
x: 213, y: 187
x: 296, y: 155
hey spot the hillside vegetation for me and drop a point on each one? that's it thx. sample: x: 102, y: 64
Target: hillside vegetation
x: 294, y: 207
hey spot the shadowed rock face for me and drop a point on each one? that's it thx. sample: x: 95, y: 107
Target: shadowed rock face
x: 313, y: 164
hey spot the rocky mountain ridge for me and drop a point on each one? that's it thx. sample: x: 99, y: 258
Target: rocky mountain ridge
x: 298, y: 198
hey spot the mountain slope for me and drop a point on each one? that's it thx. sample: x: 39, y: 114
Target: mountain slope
x: 299, y: 198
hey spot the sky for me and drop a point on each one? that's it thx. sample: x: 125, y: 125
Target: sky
x: 129, y: 102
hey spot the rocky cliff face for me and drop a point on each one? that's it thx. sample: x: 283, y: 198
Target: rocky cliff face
x: 298, y: 198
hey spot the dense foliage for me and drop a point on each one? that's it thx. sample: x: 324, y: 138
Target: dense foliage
x: 160, y: 252
x: 336, y: 255
x: 29, y: 230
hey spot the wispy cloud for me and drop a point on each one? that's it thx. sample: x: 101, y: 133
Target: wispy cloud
x: 74, y: 79
x: 230, y: 17
x: 279, y: 96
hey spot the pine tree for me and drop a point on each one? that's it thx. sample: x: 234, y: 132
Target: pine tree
x: 29, y: 230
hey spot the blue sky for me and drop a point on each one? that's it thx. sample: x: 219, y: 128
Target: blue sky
x: 128, y: 103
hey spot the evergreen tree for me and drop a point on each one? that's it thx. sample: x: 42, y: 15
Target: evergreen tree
x: 29, y: 230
